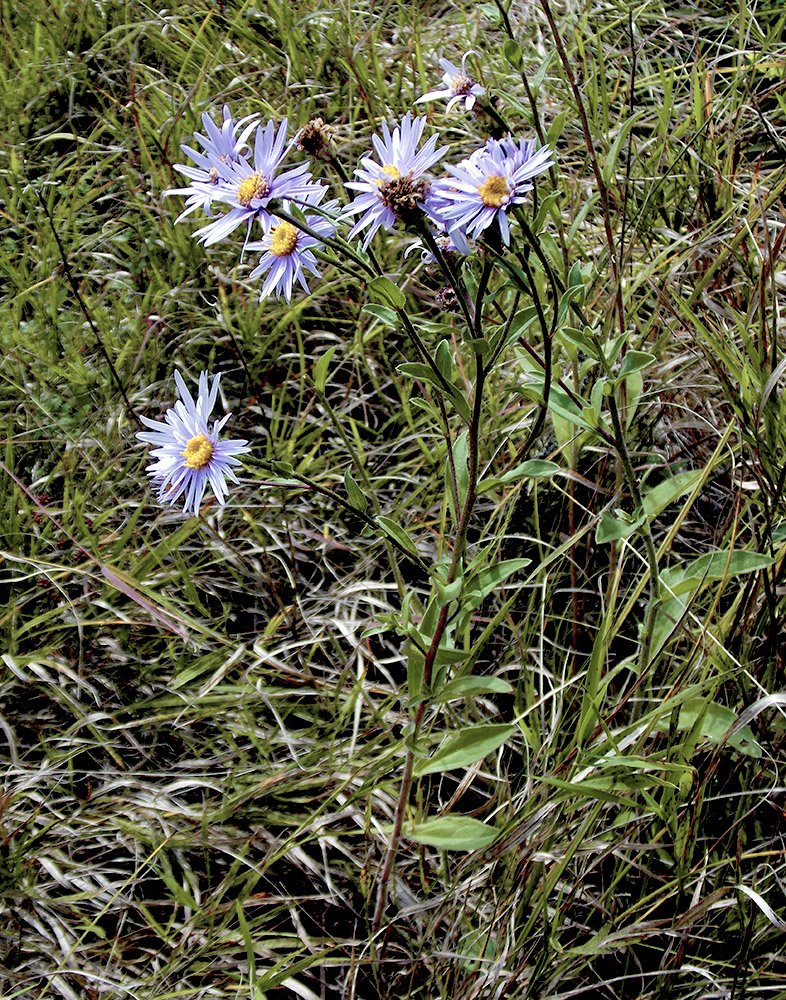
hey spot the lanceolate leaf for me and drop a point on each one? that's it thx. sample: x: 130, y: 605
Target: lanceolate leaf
x: 453, y: 833
x: 464, y: 748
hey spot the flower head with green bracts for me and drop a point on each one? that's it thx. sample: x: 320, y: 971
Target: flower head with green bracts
x: 483, y: 187
x: 188, y: 454
x: 226, y: 144
x: 288, y: 251
x: 395, y: 187
x: 248, y: 188
x: 458, y: 87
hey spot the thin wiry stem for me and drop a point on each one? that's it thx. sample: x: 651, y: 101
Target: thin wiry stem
x: 601, y: 184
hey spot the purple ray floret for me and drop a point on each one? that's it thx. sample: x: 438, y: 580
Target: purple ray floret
x: 288, y: 251
x: 457, y: 86
x: 397, y: 179
x: 226, y: 144
x: 483, y: 187
x: 189, y: 456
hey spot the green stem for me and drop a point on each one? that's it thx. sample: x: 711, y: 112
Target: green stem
x: 453, y: 277
x: 337, y: 244
x: 431, y: 654
x: 638, y: 502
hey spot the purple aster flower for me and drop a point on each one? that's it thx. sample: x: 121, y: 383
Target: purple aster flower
x: 394, y: 188
x: 484, y: 186
x: 189, y: 455
x: 458, y: 86
x: 220, y: 145
x: 248, y: 188
x: 288, y: 251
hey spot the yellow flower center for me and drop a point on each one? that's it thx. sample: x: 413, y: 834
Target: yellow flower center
x: 494, y: 191
x: 283, y: 239
x: 391, y: 171
x: 198, y: 452
x: 461, y: 84
x: 255, y: 186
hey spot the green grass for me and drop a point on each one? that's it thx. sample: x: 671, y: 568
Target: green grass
x: 204, y: 747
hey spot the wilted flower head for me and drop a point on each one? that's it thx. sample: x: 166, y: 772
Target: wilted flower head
x: 316, y: 139
x: 484, y: 186
x: 288, y: 251
x: 395, y: 187
x: 189, y: 455
x: 457, y: 87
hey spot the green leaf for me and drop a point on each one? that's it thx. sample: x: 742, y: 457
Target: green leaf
x: 635, y: 361
x: 447, y: 592
x: 561, y: 404
x: 464, y: 748
x: 425, y: 374
x: 571, y: 294
x: 320, y: 372
x: 512, y: 53
x: 715, y: 724
x: 533, y: 468
x: 579, y: 339
x: 548, y: 207
x: 466, y: 687
x: 611, y: 528
x: 384, y: 291
x: 659, y: 497
x: 555, y: 129
x: 384, y: 314
x: 396, y: 532
x: 453, y: 833
x: 717, y: 565
x: 479, y: 345
x: 443, y: 358
x: 681, y: 583
x: 611, y: 348
x: 356, y: 496
x: 461, y: 465
x: 481, y: 584
x: 450, y: 655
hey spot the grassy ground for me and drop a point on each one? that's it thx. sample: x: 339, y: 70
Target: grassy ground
x: 203, y: 750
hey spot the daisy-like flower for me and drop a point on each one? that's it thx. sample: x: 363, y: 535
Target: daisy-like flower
x: 457, y: 87
x: 221, y: 145
x: 189, y: 455
x: 394, y: 188
x: 288, y: 251
x: 484, y: 186
x: 248, y: 188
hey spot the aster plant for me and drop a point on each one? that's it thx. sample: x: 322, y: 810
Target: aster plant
x: 221, y: 145
x: 396, y: 185
x: 288, y: 251
x: 243, y: 167
x: 483, y: 187
x: 458, y: 87
x: 189, y: 455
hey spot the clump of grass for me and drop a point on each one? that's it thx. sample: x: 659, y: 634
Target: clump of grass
x: 203, y: 738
